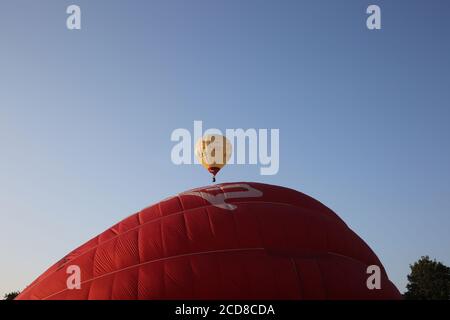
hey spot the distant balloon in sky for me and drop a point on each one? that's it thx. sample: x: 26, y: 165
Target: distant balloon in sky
x: 229, y: 241
x: 213, y: 152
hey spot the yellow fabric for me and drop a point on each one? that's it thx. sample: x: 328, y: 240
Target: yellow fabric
x: 213, y: 151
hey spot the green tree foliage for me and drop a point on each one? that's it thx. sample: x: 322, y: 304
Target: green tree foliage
x: 428, y: 280
x: 11, y: 295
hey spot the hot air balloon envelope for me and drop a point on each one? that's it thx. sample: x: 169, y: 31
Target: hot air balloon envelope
x: 213, y: 152
x: 230, y: 241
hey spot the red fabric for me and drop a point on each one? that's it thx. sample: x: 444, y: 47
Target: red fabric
x: 213, y: 170
x: 229, y: 241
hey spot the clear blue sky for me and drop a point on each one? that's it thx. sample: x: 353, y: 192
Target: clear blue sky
x: 86, y: 116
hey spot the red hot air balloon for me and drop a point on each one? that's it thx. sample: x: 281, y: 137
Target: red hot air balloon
x: 229, y: 241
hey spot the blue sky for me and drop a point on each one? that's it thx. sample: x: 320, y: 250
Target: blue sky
x: 86, y: 116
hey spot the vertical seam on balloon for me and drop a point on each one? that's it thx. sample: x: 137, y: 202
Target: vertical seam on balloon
x: 327, y: 242
x: 192, y: 276
x: 89, y: 291
x: 170, y: 277
x: 139, y: 244
x: 261, y: 237
x: 111, y: 287
x: 235, y: 229
x: 139, y: 217
x: 181, y: 202
x: 139, y: 257
x: 138, y: 292
x: 161, y: 232
x: 184, y: 219
x: 242, y: 266
x: 188, y: 232
x: 164, y: 279
x: 211, y: 227
x: 324, y: 289
x: 294, y: 265
x: 139, y: 239
x: 94, y: 263
x: 115, y: 252
x: 218, y: 265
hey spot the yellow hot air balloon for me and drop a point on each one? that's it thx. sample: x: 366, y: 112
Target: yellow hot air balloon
x: 213, y: 152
